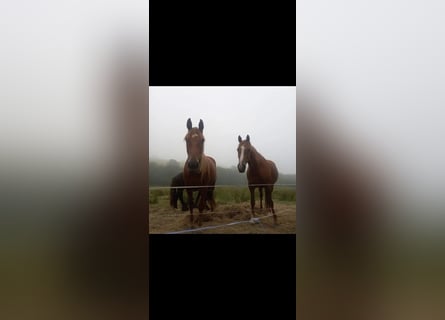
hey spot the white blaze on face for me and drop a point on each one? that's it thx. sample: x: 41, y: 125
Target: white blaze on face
x: 241, y: 157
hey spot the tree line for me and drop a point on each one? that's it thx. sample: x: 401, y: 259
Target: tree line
x: 160, y: 174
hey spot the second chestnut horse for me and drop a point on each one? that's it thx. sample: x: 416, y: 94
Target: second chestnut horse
x: 261, y: 173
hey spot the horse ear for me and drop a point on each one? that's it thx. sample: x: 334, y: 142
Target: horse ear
x: 239, y: 139
x: 201, y: 125
x: 189, y: 124
x: 248, y: 138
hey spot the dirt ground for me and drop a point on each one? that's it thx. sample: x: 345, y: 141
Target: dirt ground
x: 166, y: 220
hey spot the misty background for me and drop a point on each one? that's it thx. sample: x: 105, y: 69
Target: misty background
x: 267, y: 114
x: 162, y: 172
x: 379, y: 70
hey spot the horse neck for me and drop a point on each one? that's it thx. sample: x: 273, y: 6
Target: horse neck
x: 256, y: 159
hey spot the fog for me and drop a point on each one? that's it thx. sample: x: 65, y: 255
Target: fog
x: 379, y: 70
x: 266, y: 114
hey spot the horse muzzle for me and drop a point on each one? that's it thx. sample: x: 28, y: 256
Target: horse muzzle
x: 241, y: 167
x: 193, y: 165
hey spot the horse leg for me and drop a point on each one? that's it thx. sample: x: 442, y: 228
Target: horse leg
x: 271, y: 201
x: 269, y: 191
x: 202, y: 204
x: 190, y: 200
x: 181, y: 199
x: 198, y: 198
x: 252, y: 200
x: 173, y: 198
x: 211, y: 199
x: 261, y: 197
x: 177, y: 197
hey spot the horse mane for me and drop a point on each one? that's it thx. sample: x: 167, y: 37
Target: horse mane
x: 257, y: 155
x: 257, y: 158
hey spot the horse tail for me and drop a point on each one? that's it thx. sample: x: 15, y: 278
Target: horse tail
x: 173, y: 197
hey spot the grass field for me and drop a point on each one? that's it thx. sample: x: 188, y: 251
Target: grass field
x: 233, y: 205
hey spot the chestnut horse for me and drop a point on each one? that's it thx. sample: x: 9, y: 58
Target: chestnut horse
x: 199, y: 170
x: 262, y: 173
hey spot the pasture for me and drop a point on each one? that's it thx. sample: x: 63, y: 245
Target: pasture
x: 232, y: 206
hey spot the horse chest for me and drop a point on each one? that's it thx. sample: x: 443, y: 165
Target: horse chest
x: 193, y: 179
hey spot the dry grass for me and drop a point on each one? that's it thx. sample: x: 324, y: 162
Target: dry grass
x: 163, y: 219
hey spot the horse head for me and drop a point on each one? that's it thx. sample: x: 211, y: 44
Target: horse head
x: 244, y: 148
x: 195, y: 145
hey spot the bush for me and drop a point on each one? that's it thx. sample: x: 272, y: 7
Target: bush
x: 156, y: 194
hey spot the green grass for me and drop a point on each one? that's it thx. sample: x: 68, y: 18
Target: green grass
x: 159, y: 195
x: 285, y: 194
x: 227, y: 195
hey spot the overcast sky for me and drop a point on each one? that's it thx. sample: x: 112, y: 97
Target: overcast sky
x: 267, y: 114
x: 380, y: 66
